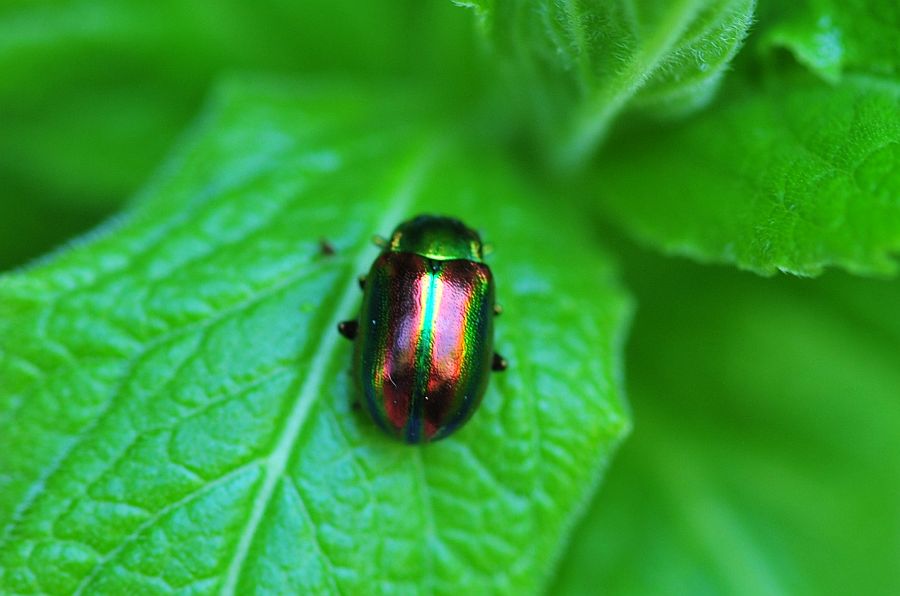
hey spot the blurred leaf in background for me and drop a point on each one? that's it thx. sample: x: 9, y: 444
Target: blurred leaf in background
x: 95, y: 91
x: 765, y: 410
x: 766, y: 431
x: 834, y: 38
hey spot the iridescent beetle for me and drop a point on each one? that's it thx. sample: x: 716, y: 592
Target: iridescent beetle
x: 424, y: 338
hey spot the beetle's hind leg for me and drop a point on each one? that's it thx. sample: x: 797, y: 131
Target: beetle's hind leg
x: 326, y: 248
x: 499, y: 364
x: 361, y: 280
x: 348, y: 329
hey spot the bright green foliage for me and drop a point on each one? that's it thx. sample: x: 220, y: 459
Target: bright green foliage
x: 584, y: 62
x: 114, y: 72
x: 784, y: 172
x: 93, y: 92
x: 174, y: 399
x: 176, y: 405
x: 763, y: 458
x: 795, y: 176
x: 833, y: 37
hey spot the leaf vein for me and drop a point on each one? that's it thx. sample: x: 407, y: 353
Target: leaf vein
x: 56, y: 465
x: 277, y: 461
x: 154, y: 519
x: 317, y: 545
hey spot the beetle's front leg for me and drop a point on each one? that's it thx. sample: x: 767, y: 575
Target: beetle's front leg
x: 348, y: 329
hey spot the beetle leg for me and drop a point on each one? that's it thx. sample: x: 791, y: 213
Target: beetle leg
x: 326, y: 248
x: 498, y: 310
x: 362, y: 282
x: 499, y: 363
x: 348, y: 329
x: 379, y: 241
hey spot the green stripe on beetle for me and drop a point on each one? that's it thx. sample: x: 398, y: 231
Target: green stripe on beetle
x: 424, y: 338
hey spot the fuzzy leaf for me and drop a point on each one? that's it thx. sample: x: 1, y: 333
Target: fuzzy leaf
x: 584, y: 62
x: 833, y: 38
x: 789, y: 174
x: 175, y: 401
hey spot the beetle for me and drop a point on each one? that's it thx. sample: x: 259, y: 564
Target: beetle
x: 423, y: 342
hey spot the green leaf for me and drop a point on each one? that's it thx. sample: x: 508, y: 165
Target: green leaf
x: 832, y: 38
x: 763, y: 460
x: 93, y: 92
x: 584, y: 62
x: 785, y: 174
x: 176, y: 405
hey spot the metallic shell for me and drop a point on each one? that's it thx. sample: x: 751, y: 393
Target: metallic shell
x: 425, y: 345
x: 438, y: 238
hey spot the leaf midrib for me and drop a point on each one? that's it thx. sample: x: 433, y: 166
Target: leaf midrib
x: 201, y: 326
x: 275, y: 464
